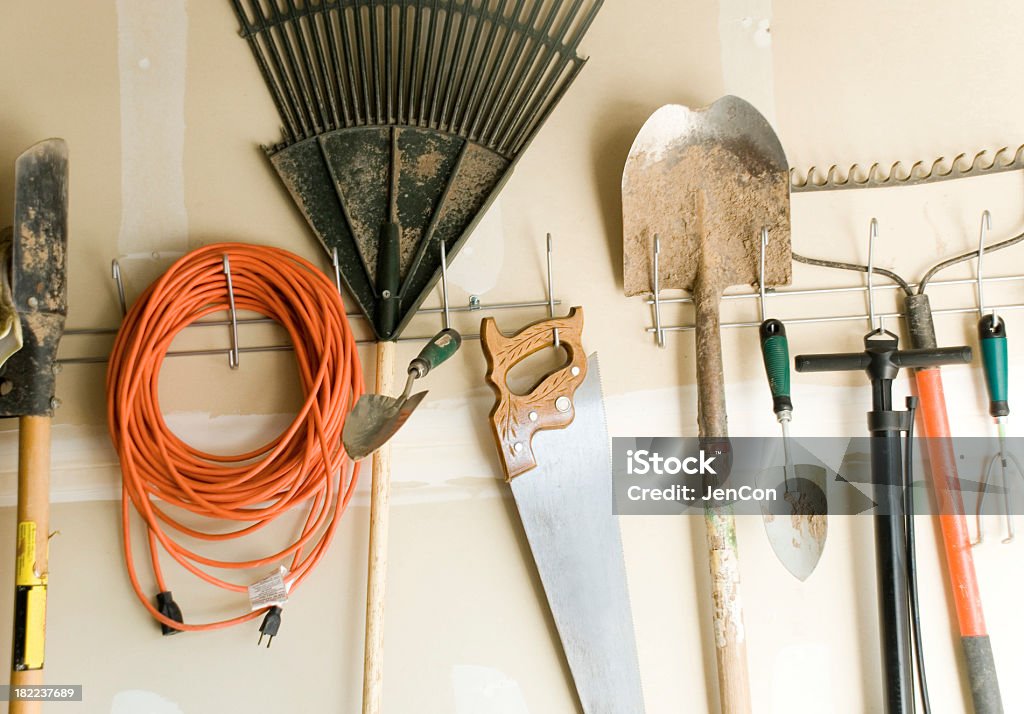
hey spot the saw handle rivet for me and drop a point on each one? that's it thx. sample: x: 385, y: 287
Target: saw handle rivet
x: 518, y: 447
x: 563, y: 404
x: 575, y: 371
x: 533, y: 416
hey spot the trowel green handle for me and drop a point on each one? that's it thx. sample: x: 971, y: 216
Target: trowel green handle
x: 992, y: 335
x: 388, y: 267
x: 775, y: 351
x: 443, y: 345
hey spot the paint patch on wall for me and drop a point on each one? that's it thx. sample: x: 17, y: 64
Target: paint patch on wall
x: 744, y: 29
x: 477, y: 267
x: 139, y: 701
x: 152, y: 42
x: 484, y: 690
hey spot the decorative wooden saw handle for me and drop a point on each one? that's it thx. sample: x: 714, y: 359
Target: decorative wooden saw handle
x: 549, y: 405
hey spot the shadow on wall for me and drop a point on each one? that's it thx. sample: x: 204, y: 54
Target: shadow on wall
x: 613, y: 137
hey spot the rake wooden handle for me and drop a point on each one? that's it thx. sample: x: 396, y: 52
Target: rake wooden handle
x: 376, y: 582
x: 32, y: 568
x: 727, y: 607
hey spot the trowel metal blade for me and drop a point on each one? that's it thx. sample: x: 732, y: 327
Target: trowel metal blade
x: 797, y: 523
x: 565, y: 504
x: 374, y: 420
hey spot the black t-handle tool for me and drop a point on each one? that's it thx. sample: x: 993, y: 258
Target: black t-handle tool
x: 882, y: 360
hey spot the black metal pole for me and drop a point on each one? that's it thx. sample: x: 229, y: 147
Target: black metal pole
x: 890, y: 558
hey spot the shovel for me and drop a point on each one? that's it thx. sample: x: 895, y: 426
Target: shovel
x: 707, y: 183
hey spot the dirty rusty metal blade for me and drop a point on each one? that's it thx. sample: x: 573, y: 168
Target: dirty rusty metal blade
x: 797, y: 523
x: 38, y: 276
x: 374, y: 420
x: 565, y: 504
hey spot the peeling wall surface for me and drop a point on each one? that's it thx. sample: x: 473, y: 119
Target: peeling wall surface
x: 164, y: 112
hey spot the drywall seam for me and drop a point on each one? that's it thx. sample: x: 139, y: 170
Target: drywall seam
x: 744, y: 29
x: 152, y: 43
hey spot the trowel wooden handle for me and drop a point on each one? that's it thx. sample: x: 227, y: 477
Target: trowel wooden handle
x: 517, y: 417
x: 31, y: 568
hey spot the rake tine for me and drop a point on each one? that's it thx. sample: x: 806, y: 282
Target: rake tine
x: 375, y: 61
x: 312, y: 82
x: 537, y: 110
x: 337, y: 74
x: 250, y: 33
x: 490, y: 97
x: 443, y: 62
x: 428, y: 64
x: 301, y: 126
x: 281, y: 26
x: 314, y: 17
x: 417, y: 32
x: 346, y: 46
x: 357, y: 25
x: 482, y: 65
x: 389, y: 79
x: 470, y: 74
x: 403, y: 60
x: 461, y: 65
x: 525, y: 69
x: 552, y: 62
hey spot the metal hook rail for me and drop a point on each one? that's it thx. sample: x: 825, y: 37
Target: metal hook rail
x: 235, y: 350
x: 875, y: 319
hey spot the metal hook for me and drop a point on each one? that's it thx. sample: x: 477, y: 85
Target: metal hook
x: 986, y: 226
x: 337, y: 268
x: 760, y: 280
x: 659, y: 332
x: 444, y: 285
x: 233, y: 354
x: 115, y: 270
x: 551, y: 296
x: 872, y: 235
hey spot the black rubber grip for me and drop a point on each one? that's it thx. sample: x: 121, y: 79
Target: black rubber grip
x: 839, y: 362
x: 981, y: 673
x: 934, y: 357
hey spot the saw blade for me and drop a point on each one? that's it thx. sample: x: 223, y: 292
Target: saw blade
x: 565, y: 504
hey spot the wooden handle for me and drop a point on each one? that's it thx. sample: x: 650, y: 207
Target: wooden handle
x: 31, y: 567
x: 727, y: 610
x: 516, y: 418
x: 376, y: 582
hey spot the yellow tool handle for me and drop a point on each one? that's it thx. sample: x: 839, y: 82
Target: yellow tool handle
x: 31, y: 568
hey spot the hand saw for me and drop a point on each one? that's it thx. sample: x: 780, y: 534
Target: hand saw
x: 554, y: 448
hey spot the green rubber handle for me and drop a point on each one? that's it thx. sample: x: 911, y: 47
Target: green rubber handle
x: 992, y: 335
x: 775, y: 352
x: 443, y: 345
x: 388, y: 267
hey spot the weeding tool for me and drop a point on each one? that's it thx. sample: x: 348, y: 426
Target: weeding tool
x: 994, y: 358
x: 704, y: 183
x: 798, y: 529
x: 38, y: 283
x: 554, y: 448
x: 401, y: 122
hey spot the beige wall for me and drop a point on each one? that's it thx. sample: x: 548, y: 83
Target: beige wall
x: 846, y: 82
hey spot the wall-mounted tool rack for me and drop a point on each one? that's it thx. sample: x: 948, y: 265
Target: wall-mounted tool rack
x: 234, y: 321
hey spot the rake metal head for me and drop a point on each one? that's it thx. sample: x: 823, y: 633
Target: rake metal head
x: 405, y: 117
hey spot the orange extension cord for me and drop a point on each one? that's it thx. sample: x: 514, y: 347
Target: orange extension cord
x: 304, y: 466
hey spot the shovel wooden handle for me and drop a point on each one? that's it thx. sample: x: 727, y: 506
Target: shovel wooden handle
x: 730, y: 637
x: 376, y: 582
x: 31, y: 559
